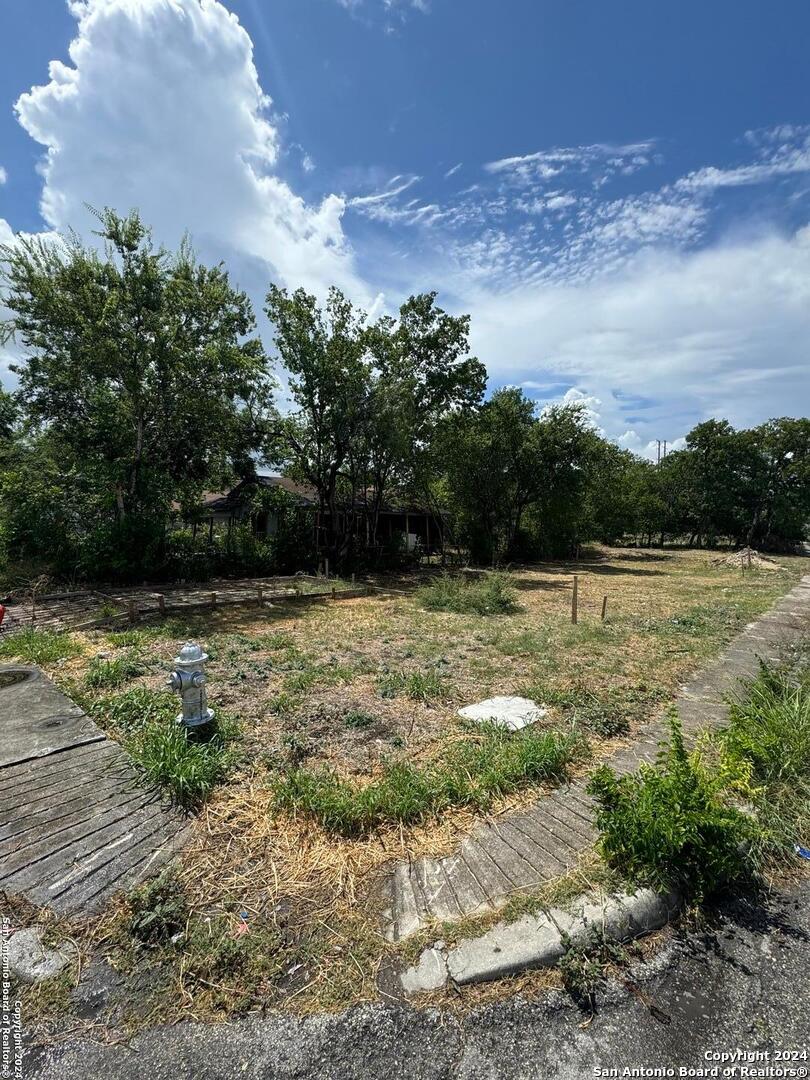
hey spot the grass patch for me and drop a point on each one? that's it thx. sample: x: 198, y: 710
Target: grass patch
x: 491, y: 595
x: 108, y: 674
x: 418, y: 685
x: 133, y: 709
x: 671, y: 824
x: 134, y: 638
x: 188, y: 764
x: 39, y: 646
x: 472, y: 772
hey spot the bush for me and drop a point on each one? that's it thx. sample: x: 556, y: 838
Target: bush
x: 491, y: 595
x: 671, y: 825
x: 769, y: 732
x: 472, y: 772
x: 39, y: 646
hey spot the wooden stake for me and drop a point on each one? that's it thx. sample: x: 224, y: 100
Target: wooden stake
x: 133, y: 611
x: 260, y: 594
x: 574, y: 600
x: 161, y: 603
x: 334, y: 592
x: 213, y: 599
x: 604, y: 607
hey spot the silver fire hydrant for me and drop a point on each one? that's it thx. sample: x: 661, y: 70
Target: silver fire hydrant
x: 189, y: 681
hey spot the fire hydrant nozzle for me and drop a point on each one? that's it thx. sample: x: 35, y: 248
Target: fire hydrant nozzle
x: 189, y: 681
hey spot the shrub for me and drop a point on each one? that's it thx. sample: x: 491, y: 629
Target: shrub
x: 671, y: 825
x: 472, y: 772
x: 491, y: 595
x: 39, y: 646
x: 769, y: 732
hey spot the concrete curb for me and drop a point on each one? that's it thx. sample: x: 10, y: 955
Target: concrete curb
x: 538, y: 940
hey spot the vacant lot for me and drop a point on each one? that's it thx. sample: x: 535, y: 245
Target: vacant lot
x: 277, y: 899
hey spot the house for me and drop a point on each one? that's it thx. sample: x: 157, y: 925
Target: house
x: 417, y: 525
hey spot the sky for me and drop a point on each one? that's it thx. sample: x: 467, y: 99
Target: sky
x: 618, y: 193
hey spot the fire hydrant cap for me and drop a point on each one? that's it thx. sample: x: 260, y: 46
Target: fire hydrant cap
x: 190, y: 655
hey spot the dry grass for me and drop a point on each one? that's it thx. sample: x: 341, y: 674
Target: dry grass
x: 308, y: 686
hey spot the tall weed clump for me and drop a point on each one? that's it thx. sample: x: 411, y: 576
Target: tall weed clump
x: 672, y: 824
x: 493, y: 594
x: 769, y: 733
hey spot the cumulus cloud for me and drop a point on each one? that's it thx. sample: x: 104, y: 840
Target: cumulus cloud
x: 161, y: 108
x: 672, y: 339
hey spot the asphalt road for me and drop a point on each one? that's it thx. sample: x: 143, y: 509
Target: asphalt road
x: 744, y: 985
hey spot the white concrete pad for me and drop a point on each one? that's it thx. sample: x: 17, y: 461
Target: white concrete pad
x: 512, y: 713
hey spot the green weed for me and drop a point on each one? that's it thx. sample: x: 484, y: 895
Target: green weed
x: 471, y: 772
x: 39, y: 646
x: 107, y: 674
x: 491, y: 595
x: 188, y: 764
x: 584, y: 963
x: 419, y: 685
x: 158, y: 909
x: 671, y: 824
x: 769, y: 732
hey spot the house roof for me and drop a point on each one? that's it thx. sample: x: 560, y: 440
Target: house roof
x: 304, y: 495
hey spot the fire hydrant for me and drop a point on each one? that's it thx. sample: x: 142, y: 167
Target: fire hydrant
x: 189, y: 681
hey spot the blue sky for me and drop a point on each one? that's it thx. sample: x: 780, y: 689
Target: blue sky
x: 618, y: 193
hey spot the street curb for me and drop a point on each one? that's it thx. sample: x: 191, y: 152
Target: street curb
x: 534, y: 941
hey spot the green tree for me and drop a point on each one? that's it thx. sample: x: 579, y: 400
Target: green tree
x: 325, y: 354
x: 140, y: 367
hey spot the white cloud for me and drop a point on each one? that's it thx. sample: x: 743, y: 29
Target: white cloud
x: 453, y: 170
x: 717, y: 332
x: 161, y: 109
x: 3, y: 175
x: 544, y: 164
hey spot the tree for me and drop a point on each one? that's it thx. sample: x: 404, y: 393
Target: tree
x: 517, y: 481
x: 368, y: 398
x: 422, y: 373
x: 325, y: 353
x: 140, y: 369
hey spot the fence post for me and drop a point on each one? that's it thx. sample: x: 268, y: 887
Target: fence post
x: 161, y: 603
x: 260, y: 594
x: 604, y: 607
x: 133, y: 611
x: 213, y: 599
x: 574, y: 599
